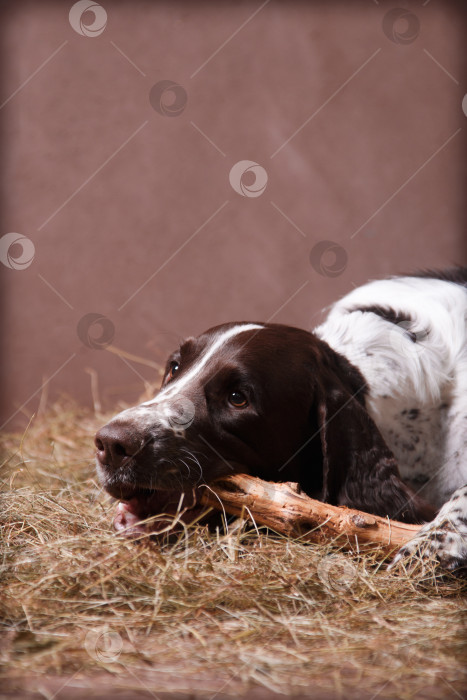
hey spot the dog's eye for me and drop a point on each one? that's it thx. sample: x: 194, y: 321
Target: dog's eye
x: 237, y: 399
x: 173, y: 369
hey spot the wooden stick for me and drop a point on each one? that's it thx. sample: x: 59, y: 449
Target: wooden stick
x: 283, y: 508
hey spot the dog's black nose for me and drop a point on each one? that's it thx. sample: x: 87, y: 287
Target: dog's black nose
x: 114, y: 443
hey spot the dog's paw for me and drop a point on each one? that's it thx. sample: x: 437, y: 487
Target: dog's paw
x: 441, y: 545
x: 442, y: 541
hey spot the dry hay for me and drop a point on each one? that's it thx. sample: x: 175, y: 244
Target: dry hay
x: 207, y: 613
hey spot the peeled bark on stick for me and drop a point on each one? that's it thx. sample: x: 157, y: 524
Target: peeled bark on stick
x: 284, y: 509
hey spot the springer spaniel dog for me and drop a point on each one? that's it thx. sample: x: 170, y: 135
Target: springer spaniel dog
x: 369, y: 411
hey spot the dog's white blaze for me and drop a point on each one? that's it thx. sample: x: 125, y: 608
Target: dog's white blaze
x: 172, y: 389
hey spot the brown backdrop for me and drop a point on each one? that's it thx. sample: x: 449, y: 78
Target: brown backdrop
x: 120, y: 126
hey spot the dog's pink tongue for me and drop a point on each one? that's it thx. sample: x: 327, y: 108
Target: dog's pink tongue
x: 130, y: 513
x: 128, y: 516
x: 164, y: 505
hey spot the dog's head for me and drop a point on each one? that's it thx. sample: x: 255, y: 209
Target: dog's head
x: 264, y: 399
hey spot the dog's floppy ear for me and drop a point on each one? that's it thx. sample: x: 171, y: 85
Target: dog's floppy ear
x: 359, y: 470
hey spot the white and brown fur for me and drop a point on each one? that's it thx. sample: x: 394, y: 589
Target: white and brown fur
x: 408, y: 337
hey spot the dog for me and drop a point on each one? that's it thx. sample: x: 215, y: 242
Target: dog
x: 368, y: 411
